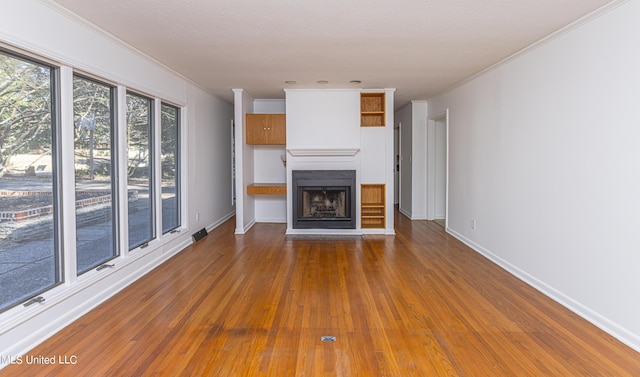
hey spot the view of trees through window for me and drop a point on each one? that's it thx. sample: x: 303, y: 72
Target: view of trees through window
x: 139, y: 170
x: 29, y: 255
x: 170, y: 140
x: 31, y: 198
x: 93, y: 110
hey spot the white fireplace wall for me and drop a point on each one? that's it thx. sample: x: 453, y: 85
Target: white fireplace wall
x: 327, y: 118
x: 322, y: 121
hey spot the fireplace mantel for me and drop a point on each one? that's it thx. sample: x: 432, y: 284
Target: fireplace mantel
x: 323, y: 152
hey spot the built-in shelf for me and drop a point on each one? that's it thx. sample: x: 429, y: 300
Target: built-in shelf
x: 372, y: 206
x: 267, y: 189
x: 372, y: 109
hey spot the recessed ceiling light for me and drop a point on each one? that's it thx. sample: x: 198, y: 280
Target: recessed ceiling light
x: 322, y: 82
x: 355, y: 82
x: 290, y: 82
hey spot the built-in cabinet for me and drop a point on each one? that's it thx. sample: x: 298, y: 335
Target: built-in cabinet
x: 372, y: 205
x: 266, y: 129
x: 372, y: 109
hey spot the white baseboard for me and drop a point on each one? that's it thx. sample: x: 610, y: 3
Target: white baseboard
x: 622, y: 334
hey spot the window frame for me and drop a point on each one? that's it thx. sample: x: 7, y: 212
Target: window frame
x: 56, y: 173
x: 178, y: 166
x: 115, y: 164
x: 152, y: 169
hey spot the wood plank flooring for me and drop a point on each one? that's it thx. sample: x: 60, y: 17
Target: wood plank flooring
x: 417, y: 304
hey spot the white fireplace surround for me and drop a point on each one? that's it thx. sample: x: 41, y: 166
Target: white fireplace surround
x: 322, y: 159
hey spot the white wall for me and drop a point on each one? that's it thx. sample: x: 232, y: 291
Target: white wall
x: 39, y: 28
x: 209, y: 158
x: 544, y: 156
x: 440, y: 169
x: 269, y: 106
x: 269, y: 168
x: 323, y: 118
x: 419, y: 160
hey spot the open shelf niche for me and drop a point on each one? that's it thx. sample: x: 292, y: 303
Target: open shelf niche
x: 372, y: 109
x: 372, y: 205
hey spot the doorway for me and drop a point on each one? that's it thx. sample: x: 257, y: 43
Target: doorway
x: 437, y: 147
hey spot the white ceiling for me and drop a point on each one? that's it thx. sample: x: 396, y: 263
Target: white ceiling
x: 419, y: 47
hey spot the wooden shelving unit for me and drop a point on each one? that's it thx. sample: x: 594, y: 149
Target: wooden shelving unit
x: 372, y: 109
x: 372, y: 206
x: 267, y: 189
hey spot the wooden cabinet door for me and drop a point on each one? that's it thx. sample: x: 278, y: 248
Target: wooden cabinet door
x: 266, y: 129
x: 257, y: 129
x: 277, y: 130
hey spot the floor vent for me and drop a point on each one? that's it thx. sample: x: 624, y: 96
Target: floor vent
x: 327, y: 339
x: 197, y: 236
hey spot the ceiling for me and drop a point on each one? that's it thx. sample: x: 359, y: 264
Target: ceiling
x: 419, y: 47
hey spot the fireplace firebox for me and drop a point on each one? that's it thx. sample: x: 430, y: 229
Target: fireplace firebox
x: 324, y: 199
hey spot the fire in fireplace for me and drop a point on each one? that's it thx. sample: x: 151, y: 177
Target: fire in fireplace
x: 324, y: 199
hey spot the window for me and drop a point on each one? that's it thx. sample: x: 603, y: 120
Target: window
x: 32, y: 228
x: 96, y: 209
x: 140, y: 198
x: 30, y: 260
x: 170, y: 141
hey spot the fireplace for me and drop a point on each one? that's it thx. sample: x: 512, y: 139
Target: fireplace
x: 324, y: 199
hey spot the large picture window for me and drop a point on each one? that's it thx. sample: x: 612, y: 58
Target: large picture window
x: 32, y: 201
x: 96, y: 230
x: 170, y: 142
x: 140, y: 196
x: 29, y: 251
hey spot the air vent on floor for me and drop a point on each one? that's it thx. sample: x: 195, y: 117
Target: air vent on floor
x: 197, y: 236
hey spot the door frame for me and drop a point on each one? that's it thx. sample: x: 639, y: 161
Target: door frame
x: 432, y: 123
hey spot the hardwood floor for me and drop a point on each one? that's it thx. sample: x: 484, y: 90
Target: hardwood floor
x: 417, y: 304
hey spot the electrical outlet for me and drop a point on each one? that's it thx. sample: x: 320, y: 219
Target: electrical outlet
x: 197, y: 216
x: 473, y: 224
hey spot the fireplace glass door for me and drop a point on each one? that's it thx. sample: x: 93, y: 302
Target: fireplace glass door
x: 323, y: 199
x: 324, y: 203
